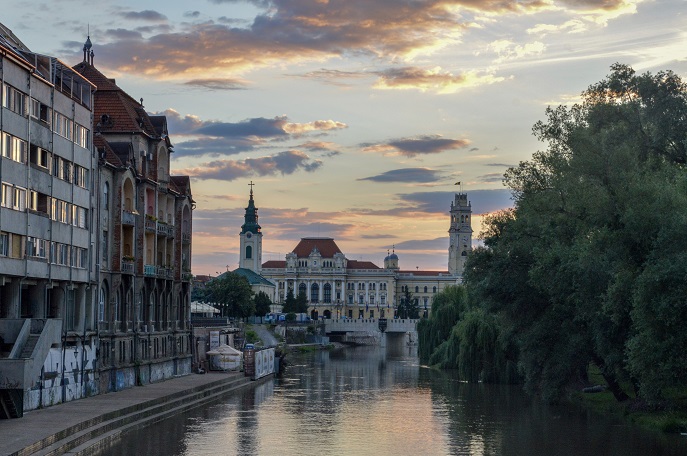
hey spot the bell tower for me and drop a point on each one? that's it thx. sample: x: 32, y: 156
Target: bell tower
x: 251, y: 238
x: 460, y: 234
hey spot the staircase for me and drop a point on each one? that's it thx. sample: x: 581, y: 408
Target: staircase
x: 30, y: 344
x: 11, y: 404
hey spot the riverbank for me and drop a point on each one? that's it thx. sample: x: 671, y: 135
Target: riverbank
x: 92, y: 423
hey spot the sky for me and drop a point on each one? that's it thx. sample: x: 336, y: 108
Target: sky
x: 353, y: 118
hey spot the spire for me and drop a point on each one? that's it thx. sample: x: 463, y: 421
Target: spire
x: 251, y: 217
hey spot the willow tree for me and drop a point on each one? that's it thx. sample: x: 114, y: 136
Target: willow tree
x: 586, y: 268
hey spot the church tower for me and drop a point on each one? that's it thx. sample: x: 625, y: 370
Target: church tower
x: 460, y: 234
x: 251, y: 238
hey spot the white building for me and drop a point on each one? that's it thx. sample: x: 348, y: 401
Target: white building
x: 338, y: 287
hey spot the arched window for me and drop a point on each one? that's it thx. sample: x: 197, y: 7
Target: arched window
x: 417, y: 289
x: 327, y: 293
x: 425, y: 289
x: 314, y: 292
x: 101, y: 304
x: 249, y: 252
x: 106, y: 196
x: 434, y: 289
x: 302, y: 288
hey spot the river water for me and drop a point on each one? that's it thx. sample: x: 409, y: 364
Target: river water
x: 365, y: 401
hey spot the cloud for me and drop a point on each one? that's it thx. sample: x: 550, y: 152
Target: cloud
x: 218, y: 138
x: 215, y: 146
x: 192, y: 14
x: 434, y: 79
x: 287, y: 162
x: 146, y: 15
x: 218, y: 83
x: 508, y: 50
x: 502, y: 165
x: 484, y: 201
x: 420, y: 145
x: 424, y: 244
x: 421, y: 175
x: 491, y: 177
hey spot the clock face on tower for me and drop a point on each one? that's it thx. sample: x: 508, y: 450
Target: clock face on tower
x: 249, y: 235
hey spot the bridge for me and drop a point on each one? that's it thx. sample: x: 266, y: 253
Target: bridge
x: 366, y: 331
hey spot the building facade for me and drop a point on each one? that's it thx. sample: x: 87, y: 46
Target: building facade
x: 144, y: 220
x: 48, y: 334
x: 337, y: 287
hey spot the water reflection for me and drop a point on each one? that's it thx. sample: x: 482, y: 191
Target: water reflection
x: 365, y: 401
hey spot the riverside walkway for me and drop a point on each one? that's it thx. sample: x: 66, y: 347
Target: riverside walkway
x: 86, y: 425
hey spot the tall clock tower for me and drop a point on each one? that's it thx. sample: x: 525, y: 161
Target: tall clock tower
x: 251, y: 238
x: 460, y: 234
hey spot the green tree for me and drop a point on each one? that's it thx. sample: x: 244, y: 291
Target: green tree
x: 301, y: 302
x: 233, y: 294
x: 262, y: 304
x: 572, y: 272
x: 289, y: 302
x: 408, y: 308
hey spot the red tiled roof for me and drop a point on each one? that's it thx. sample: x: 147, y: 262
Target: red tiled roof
x: 125, y: 113
x: 182, y: 184
x: 326, y: 246
x: 110, y: 156
x: 355, y: 264
x: 274, y: 264
x: 425, y: 273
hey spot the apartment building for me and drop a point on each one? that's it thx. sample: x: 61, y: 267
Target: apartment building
x: 144, y: 237
x: 48, y: 336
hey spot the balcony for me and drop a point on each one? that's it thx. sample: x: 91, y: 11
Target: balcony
x: 150, y: 223
x: 161, y: 229
x: 127, y: 265
x: 149, y: 270
x: 128, y: 218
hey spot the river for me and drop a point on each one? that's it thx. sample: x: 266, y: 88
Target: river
x: 364, y: 401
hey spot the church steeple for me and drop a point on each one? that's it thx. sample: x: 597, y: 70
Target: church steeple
x: 251, y: 238
x: 251, y: 217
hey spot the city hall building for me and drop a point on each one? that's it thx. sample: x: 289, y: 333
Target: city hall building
x: 338, y: 287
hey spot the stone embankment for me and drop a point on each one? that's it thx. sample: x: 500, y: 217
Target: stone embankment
x: 90, y: 425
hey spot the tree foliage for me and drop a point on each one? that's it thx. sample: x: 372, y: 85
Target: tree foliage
x: 233, y: 295
x: 295, y: 304
x: 262, y: 304
x: 589, y: 266
x: 408, y: 307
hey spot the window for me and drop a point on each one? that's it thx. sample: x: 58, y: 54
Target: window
x: 14, y: 148
x: 19, y: 199
x: 80, y: 176
x: 101, y: 304
x: 314, y: 292
x: 327, y: 293
x: 16, y: 246
x: 39, y: 156
x: 4, y: 244
x: 40, y: 111
x: 6, y: 195
x: 35, y: 247
x: 82, y: 136
x: 249, y: 252
x: 372, y: 314
x: 14, y: 100
x: 106, y: 196
x: 62, y: 125
x: 417, y: 289
x: 434, y: 289
x: 106, y: 248
x: 425, y: 289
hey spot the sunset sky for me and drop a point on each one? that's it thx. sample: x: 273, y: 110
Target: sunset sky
x: 354, y: 118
